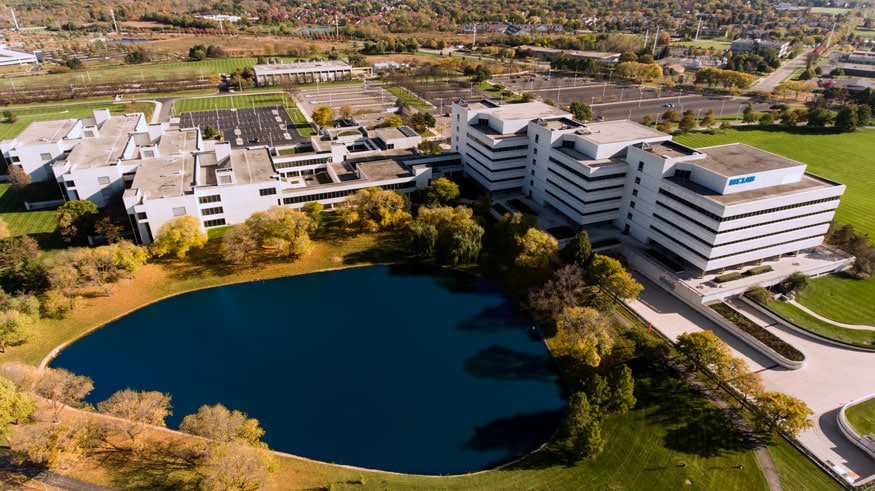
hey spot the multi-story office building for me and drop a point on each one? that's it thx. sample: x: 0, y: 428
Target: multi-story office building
x: 714, y: 207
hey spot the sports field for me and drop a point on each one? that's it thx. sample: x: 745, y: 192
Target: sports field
x: 843, y: 157
x: 230, y: 102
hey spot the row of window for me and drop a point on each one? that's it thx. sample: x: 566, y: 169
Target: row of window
x: 517, y: 157
x: 669, y: 237
x: 522, y: 167
x: 718, y: 218
x: 585, y: 190
x: 302, y: 163
x: 214, y: 223
x: 723, y: 244
x: 497, y: 150
x: 266, y: 191
x: 342, y: 194
x: 211, y: 198
x: 760, y: 224
x: 581, y: 201
x: 598, y: 212
x: 212, y: 211
x: 584, y: 176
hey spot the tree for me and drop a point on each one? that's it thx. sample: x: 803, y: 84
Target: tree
x: 581, y: 111
x: 211, y: 133
x: 283, y: 231
x: 422, y: 121
x: 15, y: 328
x: 136, y: 409
x: 4, y: 230
x: 178, y: 236
x: 347, y: 112
x: 565, y: 289
x: 62, y: 389
x: 56, y: 446
x: 737, y: 374
x: 797, y: 282
x: 375, y: 209
x: 441, y: 192
x: 235, y: 466
x: 9, y: 117
x: 423, y: 238
x: 393, y: 121
x: 238, y: 246
x: 704, y: 350
x: 459, y: 237
x: 749, y: 113
x: 688, y: 121
x: 725, y: 125
x: 109, y: 229
x: 767, y: 119
x: 622, y: 385
x: 75, y: 219
x: 670, y: 115
x: 864, y: 114
x: 607, y: 273
x: 136, y: 56
x: 819, y: 117
x: 581, y: 430
x: 222, y: 425
x: 536, y: 249
x: 781, y: 412
x: 466, y: 243
x: 15, y: 406
x: 578, y: 250
x: 585, y: 333
x: 322, y: 115
x: 846, y: 119
x: 18, y: 178
x: 708, y: 120
x: 313, y: 209
x: 429, y: 147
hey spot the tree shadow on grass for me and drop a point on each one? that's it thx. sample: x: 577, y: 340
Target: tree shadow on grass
x: 500, y: 363
x: 388, y: 248
x: 707, y: 432
x: 161, y: 466
x: 514, y: 435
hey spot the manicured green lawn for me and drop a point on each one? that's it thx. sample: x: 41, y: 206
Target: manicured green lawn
x: 841, y: 298
x: 229, y: 102
x: 46, y: 112
x: 829, y: 10
x: 704, y: 44
x: 862, y: 417
x: 23, y: 222
x: 301, y: 125
x: 407, y: 96
x: 856, y: 337
x: 796, y: 471
x: 843, y: 157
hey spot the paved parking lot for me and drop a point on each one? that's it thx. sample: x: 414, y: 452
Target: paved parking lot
x: 368, y: 97
x: 247, y: 126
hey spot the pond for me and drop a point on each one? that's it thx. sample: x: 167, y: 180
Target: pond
x: 401, y: 368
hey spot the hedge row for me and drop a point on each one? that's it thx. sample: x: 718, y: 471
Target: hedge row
x: 764, y: 336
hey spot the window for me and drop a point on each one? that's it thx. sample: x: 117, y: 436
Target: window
x: 266, y: 191
x: 631, y: 204
x: 531, y: 183
x: 629, y: 216
x: 534, y: 162
x: 141, y: 216
x: 637, y: 180
x: 535, y: 151
x: 45, y: 156
x: 213, y: 198
x: 224, y: 179
x: 537, y: 138
x: 103, y: 180
x: 70, y: 184
x: 89, y: 134
x: 640, y: 166
x: 634, y: 192
x: 148, y: 154
x: 682, y: 174
x: 212, y: 211
x: 178, y: 211
x: 214, y: 223
x: 533, y: 172
x: 568, y: 144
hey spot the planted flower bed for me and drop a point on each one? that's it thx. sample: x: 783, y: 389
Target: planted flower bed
x: 758, y: 332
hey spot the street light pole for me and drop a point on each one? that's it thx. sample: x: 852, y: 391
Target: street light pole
x: 722, y: 103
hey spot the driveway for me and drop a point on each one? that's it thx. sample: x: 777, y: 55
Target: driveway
x: 767, y: 83
x: 832, y: 376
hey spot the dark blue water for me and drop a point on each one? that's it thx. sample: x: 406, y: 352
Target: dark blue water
x: 399, y: 368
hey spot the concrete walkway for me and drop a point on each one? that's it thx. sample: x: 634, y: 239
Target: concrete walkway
x: 833, y: 375
x: 830, y: 321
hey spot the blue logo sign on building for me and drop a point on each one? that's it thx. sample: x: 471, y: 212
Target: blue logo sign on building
x: 741, y: 180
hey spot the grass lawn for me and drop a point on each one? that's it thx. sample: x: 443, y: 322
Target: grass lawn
x: 862, y: 417
x: 127, y: 73
x: 841, y: 298
x: 229, y: 102
x: 301, y: 125
x: 704, y: 44
x: 843, y: 157
x: 829, y: 10
x: 407, y: 96
x: 796, y: 471
x: 46, y: 112
x: 865, y: 34
x: 856, y: 337
x: 39, y: 224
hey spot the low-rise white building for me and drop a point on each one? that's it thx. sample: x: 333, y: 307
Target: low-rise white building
x: 9, y: 57
x: 714, y: 208
x: 862, y: 57
x: 748, y: 45
x: 302, y: 72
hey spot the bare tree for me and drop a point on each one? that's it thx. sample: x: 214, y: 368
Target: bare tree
x: 63, y: 388
x: 136, y: 410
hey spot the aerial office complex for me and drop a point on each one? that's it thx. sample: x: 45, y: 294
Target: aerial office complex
x: 714, y: 207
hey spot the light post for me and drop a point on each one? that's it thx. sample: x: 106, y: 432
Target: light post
x: 722, y: 103
x: 622, y: 90
x: 739, y: 112
x: 679, y: 96
x: 640, y: 96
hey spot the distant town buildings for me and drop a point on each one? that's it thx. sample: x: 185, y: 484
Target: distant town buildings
x: 756, y: 45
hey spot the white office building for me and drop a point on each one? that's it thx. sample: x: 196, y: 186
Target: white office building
x: 714, y: 208
x: 302, y: 72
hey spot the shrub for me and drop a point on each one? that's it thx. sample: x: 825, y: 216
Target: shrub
x: 728, y: 277
x: 757, y: 270
x: 759, y: 295
x: 758, y: 332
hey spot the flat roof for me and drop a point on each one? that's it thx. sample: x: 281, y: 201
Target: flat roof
x: 527, y: 110
x: 619, y: 131
x: 301, y: 66
x: 45, y: 131
x: 808, y: 182
x: 383, y: 169
x: 249, y: 165
x: 107, y: 148
x: 171, y: 173
x: 737, y: 158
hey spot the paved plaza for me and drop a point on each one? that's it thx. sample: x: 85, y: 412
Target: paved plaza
x: 248, y: 126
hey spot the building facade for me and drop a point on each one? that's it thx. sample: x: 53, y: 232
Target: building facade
x: 303, y: 72
x: 754, y: 45
x: 712, y: 208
